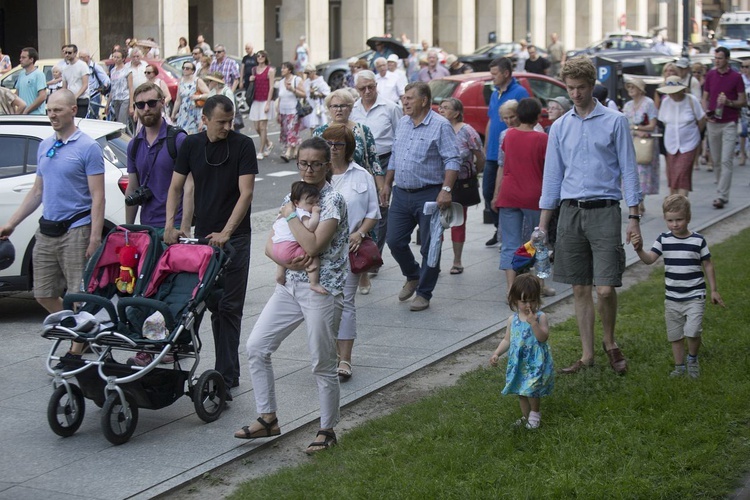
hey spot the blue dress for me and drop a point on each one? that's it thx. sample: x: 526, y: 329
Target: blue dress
x: 530, y: 370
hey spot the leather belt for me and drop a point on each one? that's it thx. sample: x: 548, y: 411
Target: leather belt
x: 423, y: 188
x: 592, y: 203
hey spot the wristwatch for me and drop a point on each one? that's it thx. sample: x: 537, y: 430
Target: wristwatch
x: 633, y: 216
x: 447, y: 189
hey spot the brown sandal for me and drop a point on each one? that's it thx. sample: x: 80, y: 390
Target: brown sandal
x: 266, y: 431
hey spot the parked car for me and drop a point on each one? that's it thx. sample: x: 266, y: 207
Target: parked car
x: 19, y: 140
x: 474, y: 91
x: 334, y: 71
x: 481, y: 58
x: 8, y: 80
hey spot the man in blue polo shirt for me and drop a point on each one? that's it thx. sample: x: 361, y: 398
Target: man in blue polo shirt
x: 31, y: 83
x: 506, y: 88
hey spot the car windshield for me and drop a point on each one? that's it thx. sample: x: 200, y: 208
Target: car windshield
x: 174, y: 72
x: 442, y: 89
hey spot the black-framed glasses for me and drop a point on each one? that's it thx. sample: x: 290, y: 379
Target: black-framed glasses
x: 316, y: 165
x: 335, y: 145
x: 220, y: 51
x: 338, y: 106
x: 68, y: 52
x: 746, y: 66
x: 148, y: 72
x: 151, y: 103
x: 53, y: 150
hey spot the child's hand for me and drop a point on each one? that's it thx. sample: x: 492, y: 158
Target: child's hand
x: 637, y: 242
x: 493, y: 360
x: 316, y: 209
x: 716, y: 299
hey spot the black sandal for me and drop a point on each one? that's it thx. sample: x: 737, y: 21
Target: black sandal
x: 266, y: 431
x: 330, y: 441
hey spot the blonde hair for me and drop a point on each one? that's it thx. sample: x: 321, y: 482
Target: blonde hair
x: 677, y: 203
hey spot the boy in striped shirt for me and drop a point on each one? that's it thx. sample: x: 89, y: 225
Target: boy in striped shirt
x: 686, y: 261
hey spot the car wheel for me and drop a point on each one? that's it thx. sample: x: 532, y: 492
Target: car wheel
x: 336, y: 81
x: 239, y: 98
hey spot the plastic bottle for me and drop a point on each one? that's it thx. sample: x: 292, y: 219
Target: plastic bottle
x: 542, y: 265
x: 719, y: 111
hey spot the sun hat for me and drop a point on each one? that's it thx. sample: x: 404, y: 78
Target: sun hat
x: 392, y: 58
x: 309, y: 68
x: 212, y: 77
x: 683, y: 63
x: 671, y: 86
x: 637, y: 83
x: 564, y: 103
x: 450, y: 60
x: 452, y: 216
x: 7, y: 254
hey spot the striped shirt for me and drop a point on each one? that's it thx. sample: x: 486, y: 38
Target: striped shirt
x: 683, y: 271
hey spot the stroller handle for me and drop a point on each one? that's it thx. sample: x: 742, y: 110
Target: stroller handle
x: 71, y: 298
x: 158, y: 305
x: 227, y: 248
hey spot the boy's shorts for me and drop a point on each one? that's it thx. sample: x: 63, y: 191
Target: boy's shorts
x: 684, y: 319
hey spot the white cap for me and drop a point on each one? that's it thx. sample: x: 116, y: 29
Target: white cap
x: 393, y: 58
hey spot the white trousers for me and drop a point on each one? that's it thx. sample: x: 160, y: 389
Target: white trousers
x: 289, y: 305
x: 348, y: 328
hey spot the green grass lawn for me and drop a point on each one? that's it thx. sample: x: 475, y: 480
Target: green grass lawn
x: 643, y: 435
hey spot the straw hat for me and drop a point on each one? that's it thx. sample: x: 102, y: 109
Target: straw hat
x: 214, y: 77
x: 672, y: 86
x: 637, y: 83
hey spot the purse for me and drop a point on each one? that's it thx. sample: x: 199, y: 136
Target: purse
x: 250, y: 91
x: 644, y: 150
x: 466, y: 192
x: 57, y: 228
x: 200, y: 102
x: 239, y: 122
x: 304, y: 107
x: 366, y: 257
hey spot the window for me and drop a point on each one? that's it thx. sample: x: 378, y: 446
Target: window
x: 19, y: 155
x: 441, y: 89
x: 544, y: 90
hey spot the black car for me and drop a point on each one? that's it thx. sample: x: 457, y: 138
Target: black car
x: 481, y: 58
x: 638, y: 62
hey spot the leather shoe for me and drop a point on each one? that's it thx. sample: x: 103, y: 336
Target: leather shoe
x: 616, y: 360
x: 408, y: 290
x: 419, y: 304
x: 576, y: 367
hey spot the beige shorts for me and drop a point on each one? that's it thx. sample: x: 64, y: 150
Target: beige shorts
x: 684, y: 319
x: 59, y: 262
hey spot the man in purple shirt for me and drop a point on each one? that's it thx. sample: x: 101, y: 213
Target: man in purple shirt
x: 723, y: 98
x: 590, y: 155
x: 150, y: 161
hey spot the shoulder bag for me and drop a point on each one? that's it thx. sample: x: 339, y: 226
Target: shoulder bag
x: 304, y: 108
x: 366, y: 257
x: 250, y: 90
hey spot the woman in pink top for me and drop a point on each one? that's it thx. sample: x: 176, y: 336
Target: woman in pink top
x: 520, y: 185
x: 260, y: 110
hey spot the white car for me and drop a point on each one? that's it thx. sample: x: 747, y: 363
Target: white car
x: 19, y: 140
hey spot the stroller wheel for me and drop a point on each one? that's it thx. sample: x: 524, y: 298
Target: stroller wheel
x: 209, y: 395
x: 117, y: 424
x: 65, y: 410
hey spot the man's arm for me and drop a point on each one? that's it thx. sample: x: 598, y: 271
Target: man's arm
x: 84, y: 86
x: 246, y: 184
x: 131, y: 211
x: 31, y: 202
x: 96, y: 188
x: 188, y: 205
x: 40, y: 98
x: 171, y: 235
x: 629, y: 172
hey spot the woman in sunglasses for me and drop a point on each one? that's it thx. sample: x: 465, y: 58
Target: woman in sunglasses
x: 186, y: 113
x: 152, y: 76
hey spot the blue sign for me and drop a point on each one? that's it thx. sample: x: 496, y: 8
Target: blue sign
x: 604, y: 72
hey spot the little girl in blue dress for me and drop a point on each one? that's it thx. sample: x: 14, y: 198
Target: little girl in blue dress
x: 530, y: 372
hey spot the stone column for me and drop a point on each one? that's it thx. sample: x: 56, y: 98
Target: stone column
x: 568, y: 30
x: 67, y: 21
x: 505, y: 22
x: 360, y: 20
x: 252, y: 19
x: 236, y: 22
x: 174, y: 24
x: 488, y: 20
x: 307, y: 18
x: 414, y: 17
x: 595, y: 20
x: 539, y: 23
x: 456, y: 28
x: 698, y: 16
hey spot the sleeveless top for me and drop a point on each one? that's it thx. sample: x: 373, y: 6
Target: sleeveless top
x: 262, y: 85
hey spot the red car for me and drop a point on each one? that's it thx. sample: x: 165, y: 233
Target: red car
x: 474, y: 91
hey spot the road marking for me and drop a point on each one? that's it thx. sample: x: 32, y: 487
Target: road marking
x: 283, y: 173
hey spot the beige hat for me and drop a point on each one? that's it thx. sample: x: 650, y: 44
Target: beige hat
x: 672, y: 85
x: 452, y: 216
x: 392, y: 58
x: 450, y: 59
x: 213, y: 77
x: 309, y: 68
x: 636, y: 82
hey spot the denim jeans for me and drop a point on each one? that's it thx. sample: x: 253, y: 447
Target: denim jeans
x: 516, y: 226
x: 404, y: 214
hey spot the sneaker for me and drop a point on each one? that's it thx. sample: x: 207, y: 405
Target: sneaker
x: 533, y: 424
x: 679, y: 371
x: 408, y: 290
x: 141, y: 359
x: 67, y: 358
x: 693, y: 369
x: 492, y: 241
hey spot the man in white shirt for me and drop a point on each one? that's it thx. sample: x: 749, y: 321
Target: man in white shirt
x: 686, y: 77
x: 393, y: 67
x: 75, y: 77
x: 387, y: 82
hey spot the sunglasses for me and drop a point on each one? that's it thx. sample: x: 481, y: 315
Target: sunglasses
x: 57, y: 145
x: 68, y: 52
x: 748, y: 66
x: 191, y: 68
x: 151, y: 103
x: 148, y: 72
x: 220, y: 51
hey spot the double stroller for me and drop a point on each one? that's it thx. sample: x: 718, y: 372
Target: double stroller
x: 153, y: 310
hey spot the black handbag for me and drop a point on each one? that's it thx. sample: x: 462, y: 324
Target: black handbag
x: 250, y: 92
x: 304, y: 107
x: 466, y: 192
x: 57, y: 228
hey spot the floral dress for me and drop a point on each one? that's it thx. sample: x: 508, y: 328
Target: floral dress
x: 637, y: 116
x: 365, y: 155
x: 189, y: 115
x: 530, y: 369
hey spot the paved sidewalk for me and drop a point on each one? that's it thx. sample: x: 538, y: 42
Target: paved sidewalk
x: 172, y: 446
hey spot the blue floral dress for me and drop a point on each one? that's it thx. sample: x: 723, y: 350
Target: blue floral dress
x: 530, y: 369
x: 189, y: 115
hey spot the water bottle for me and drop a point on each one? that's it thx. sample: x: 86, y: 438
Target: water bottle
x: 542, y: 265
x: 719, y: 112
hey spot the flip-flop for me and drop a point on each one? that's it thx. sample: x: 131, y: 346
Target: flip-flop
x: 329, y: 441
x: 344, y: 373
x: 266, y: 431
x: 457, y: 270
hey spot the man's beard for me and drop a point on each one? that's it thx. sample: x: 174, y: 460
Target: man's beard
x: 150, y: 120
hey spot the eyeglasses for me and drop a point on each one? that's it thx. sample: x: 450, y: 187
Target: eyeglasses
x: 335, y: 145
x: 367, y: 88
x: 68, y: 52
x: 338, y: 106
x: 151, y: 103
x: 220, y: 51
x: 746, y: 66
x: 316, y: 165
x: 57, y: 145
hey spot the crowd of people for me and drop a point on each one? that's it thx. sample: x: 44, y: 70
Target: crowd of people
x: 377, y: 154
